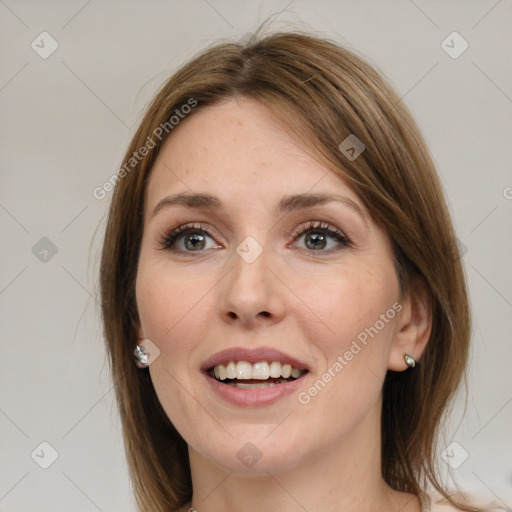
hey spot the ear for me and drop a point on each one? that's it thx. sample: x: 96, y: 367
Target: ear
x: 413, y: 326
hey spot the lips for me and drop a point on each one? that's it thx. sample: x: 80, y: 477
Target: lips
x: 247, y: 377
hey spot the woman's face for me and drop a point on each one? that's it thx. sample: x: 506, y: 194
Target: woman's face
x: 272, y: 275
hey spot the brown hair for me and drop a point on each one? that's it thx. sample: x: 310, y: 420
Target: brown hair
x: 323, y: 93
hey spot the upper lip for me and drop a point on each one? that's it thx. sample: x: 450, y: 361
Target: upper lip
x: 254, y: 355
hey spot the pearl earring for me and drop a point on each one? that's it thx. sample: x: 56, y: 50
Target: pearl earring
x: 409, y: 361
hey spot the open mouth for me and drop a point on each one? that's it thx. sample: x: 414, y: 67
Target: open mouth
x: 263, y: 374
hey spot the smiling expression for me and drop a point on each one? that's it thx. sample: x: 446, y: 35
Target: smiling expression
x: 253, y: 247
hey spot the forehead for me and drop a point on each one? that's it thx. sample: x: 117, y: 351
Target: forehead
x: 238, y: 150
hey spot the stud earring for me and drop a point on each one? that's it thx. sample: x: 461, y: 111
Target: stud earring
x: 142, y: 357
x: 409, y: 361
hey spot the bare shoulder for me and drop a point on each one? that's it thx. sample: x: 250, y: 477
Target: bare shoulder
x: 439, y: 504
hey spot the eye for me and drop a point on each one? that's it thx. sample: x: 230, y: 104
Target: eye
x: 190, y: 238
x: 187, y: 238
x: 317, y: 234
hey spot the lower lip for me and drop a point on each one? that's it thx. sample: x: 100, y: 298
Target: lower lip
x: 253, y: 397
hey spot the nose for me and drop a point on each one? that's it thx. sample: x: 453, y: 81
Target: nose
x: 252, y: 294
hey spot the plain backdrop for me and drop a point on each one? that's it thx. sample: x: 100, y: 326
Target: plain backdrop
x: 66, y: 119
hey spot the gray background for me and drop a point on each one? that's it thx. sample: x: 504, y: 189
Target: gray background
x: 66, y: 121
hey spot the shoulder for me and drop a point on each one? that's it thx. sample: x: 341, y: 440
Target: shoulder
x: 439, y: 504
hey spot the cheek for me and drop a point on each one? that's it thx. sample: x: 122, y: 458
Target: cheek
x: 164, y: 298
x: 351, y: 304
x: 358, y: 309
x: 173, y: 315
x: 348, y: 382
x: 173, y: 310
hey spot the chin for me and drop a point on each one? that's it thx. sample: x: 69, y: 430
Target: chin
x: 253, y: 452
x: 256, y: 463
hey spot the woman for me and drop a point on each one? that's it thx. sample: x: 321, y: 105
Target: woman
x: 280, y: 260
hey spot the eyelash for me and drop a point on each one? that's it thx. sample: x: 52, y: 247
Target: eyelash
x: 170, y: 236
x: 326, y: 229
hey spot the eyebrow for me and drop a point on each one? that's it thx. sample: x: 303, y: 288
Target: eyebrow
x: 287, y: 204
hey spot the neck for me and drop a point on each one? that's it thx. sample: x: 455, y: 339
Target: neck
x: 346, y: 477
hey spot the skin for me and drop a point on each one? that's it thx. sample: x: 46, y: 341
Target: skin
x: 323, y: 455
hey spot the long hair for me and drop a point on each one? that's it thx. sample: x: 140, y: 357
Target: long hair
x: 323, y: 93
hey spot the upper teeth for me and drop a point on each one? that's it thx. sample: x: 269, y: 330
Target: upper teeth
x: 261, y: 370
